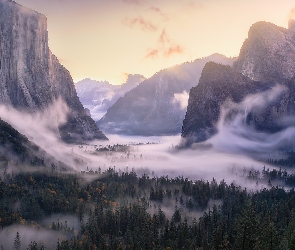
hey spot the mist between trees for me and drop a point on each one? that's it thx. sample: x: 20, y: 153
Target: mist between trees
x: 120, y: 210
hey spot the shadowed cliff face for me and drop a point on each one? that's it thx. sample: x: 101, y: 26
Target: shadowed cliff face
x: 18, y: 151
x: 31, y: 77
x: 157, y: 106
x: 218, y: 83
x: 266, y: 60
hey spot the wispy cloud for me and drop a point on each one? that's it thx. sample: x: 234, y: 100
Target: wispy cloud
x: 160, y: 12
x: 164, y: 38
x: 175, y: 49
x: 143, y: 23
x: 181, y: 99
x: 152, y: 53
x: 165, y: 47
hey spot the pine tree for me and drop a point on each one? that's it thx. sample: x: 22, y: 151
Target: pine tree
x: 17, y: 241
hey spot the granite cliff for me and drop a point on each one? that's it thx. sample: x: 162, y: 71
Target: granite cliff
x: 31, y: 77
x: 98, y: 96
x: 157, y: 106
x: 266, y: 62
x: 267, y: 54
x: 16, y: 150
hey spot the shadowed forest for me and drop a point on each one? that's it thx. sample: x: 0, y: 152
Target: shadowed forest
x: 120, y: 210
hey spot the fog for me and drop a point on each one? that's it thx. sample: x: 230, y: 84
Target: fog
x: 29, y: 234
x: 230, y: 149
x: 236, y: 146
x: 235, y: 136
x: 181, y: 99
x: 234, y: 149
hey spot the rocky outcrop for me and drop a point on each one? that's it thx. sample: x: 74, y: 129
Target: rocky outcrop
x: 98, y: 96
x: 157, y: 106
x: 266, y: 62
x: 93, y: 92
x: 268, y: 54
x: 31, y: 77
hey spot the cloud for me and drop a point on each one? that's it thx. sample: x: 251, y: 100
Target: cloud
x: 29, y: 234
x: 181, y: 99
x: 169, y: 48
x: 160, y: 12
x: 157, y: 155
x: 164, y: 38
x: 144, y: 24
x: 176, y: 49
x: 165, y: 47
x: 153, y: 53
x: 41, y: 127
x: 236, y: 136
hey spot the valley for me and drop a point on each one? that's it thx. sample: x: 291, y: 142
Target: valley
x: 198, y: 155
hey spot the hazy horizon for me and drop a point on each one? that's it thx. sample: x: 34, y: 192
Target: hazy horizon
x: 107, y: 40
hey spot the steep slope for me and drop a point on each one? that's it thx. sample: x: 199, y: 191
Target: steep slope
x: 218, y: 84
x: 31, y: 77
x: 18, y: 149
x: 99, y: 96
x: 157, y: 106
x: 268, y: 53
x: 266, y: 62
x: 132, y: 81
x: 93, y: 92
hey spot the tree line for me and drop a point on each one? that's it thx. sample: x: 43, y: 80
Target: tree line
x: 120, y: 210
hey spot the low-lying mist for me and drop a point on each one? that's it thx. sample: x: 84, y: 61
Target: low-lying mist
x: 236, y: 136
x: 235, y: 146
x: 228, y: 155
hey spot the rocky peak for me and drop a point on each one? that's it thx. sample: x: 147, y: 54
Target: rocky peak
x: 267, y: 54
x: 31, y: 77
x: 218, y: 83
x: 132, y: 81
x: 266, y: 64
x: 157, y: 106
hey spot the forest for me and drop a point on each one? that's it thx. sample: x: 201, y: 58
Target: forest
x: 120, y: 210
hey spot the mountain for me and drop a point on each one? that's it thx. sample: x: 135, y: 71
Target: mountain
x: 17, y: 149
x: 157, y: 106
x: 93, y: 92
x: 98, y: 96
x: 31, y: 77
x: 268, y: 53
x: 265, y: 69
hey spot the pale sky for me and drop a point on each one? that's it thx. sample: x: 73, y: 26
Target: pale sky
x: 107, y: 39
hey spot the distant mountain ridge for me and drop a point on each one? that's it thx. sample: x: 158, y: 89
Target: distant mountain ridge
x: 98, y: 96
x: 31, y: 77
x: 266, y: 62
x: 157, y: 106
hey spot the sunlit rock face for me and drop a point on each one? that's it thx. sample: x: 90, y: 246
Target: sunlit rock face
x: 98, y: 96
x: 157, y: 106
x: 266, y: 61
x: 31, y: 77
x: 268, y: 54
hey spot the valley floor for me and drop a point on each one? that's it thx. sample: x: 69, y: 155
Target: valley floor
x: 120, y: 210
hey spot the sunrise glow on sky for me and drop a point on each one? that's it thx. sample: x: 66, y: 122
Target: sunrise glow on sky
x: 108, y: 39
